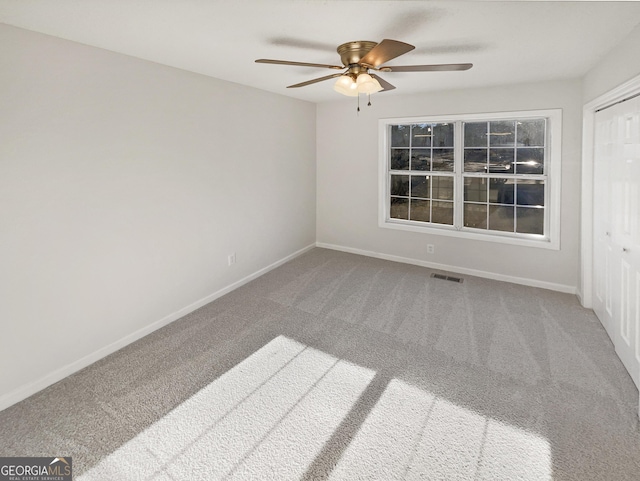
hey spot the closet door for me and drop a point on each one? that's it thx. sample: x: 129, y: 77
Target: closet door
x: 602, y: 252
x: 617, y: 229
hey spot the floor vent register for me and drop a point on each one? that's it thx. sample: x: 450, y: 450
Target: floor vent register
x: 447, y: 278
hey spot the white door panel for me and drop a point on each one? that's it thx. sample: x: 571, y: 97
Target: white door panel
x: 637, y: 317
x: 617, y: 229
x: 602, y: 246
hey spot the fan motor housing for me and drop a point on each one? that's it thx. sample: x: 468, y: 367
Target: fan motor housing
x: 352, y: 52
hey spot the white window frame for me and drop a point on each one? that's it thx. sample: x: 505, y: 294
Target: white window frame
x: 553, y: 156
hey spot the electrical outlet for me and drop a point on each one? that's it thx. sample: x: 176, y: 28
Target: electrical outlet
x: 231, y: 259
x: 430, y: 249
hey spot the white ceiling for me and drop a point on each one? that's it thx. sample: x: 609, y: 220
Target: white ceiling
x: 508, y: 42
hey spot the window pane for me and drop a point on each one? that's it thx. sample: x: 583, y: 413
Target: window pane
x: 530, y: 161
x: 443, y: 160
x: 421, y: 135
x: 502, y: 133
x: 420, y: 159
x: 400, y: 185
x: 475, y: 189
x: 501, y: 218
x: 399, y: 159
x: 501, y: 191
x: 531, y: 133
x: 442, y: 187
x: 530, y: 220
x: 420, y: 210
x: 420, y: 186
x: 475, y: 160
x: 501, y: 161
x: 400, y: 135
x: 530, y: 192
x: 475, y: 134
x: 443, y: 135
x: 399, y: 208
x: 475, y: 215
x: 442, y: 213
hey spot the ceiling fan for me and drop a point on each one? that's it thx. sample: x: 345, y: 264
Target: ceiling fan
x: 361, y: 57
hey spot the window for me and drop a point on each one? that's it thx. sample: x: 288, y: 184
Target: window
x: 485, y: 176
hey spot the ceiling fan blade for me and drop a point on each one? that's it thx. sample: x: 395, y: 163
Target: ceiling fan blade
x: 385, y: 51
x: 445, y: 67
x: 309, y: 82
x: 298, y: 64
x: 383, y: 83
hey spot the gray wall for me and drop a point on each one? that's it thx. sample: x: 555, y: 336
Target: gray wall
x: 348, y: 183
x: 124, y: 185
x: 619, y: 65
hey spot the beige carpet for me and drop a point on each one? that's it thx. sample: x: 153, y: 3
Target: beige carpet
x: 337, y: 366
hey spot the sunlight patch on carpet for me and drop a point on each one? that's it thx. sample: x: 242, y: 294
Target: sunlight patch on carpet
x: 268, y: 417
x: 412, y: 434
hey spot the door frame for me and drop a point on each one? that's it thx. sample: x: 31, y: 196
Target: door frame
x: 621, y: 92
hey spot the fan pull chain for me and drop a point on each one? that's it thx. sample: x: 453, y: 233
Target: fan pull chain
x: 358, y: 104
x: 369, y: 104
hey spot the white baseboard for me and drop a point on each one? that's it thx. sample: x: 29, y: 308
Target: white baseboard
x: 459, y: 270
x: 582, y: 299
x: 31, y: 388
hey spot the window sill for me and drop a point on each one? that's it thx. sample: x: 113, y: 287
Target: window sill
x: 525, y: 240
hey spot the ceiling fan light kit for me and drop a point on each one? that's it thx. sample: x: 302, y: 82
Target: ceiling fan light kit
x: 352, y: 87
x: 359, y: 59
